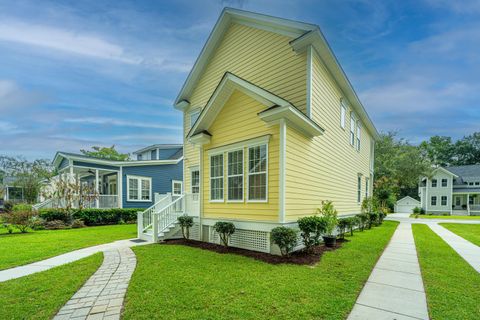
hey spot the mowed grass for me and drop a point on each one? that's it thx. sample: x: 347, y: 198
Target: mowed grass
x: 178, y: 282
x: 41, y: 295
x: 426, y: 216
x: 451, y: 284
x: 19, y: 249
x: 470, y: 232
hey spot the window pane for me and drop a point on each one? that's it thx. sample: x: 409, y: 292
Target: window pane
x: 257, y: 186
x: 235, y: 162
x: 195, y: 181
x: 133, y: 189
x: 145, y: 189
x: 235, y: 188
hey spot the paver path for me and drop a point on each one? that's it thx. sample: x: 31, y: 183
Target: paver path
x: 101, y: 297
x: 43, y: 265
x: 394, y: 289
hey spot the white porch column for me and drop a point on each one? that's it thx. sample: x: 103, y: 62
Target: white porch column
x: 468, y: 203
x: 97, y: 202
x: 120, y: 188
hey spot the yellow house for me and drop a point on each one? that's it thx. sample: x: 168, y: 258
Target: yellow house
x: 272, y: 127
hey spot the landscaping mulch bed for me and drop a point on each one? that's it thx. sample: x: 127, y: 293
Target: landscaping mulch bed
x: 298, y: 257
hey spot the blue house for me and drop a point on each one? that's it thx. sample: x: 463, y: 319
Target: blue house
x: 156, y: 170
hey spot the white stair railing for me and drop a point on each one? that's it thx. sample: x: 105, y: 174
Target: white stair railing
x: 144, y: 218
x: 45, y: 204
x: 167, y: 216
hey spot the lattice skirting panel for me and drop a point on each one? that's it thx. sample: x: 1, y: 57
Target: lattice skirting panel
x: 194, y: 233
x: 245, y: 239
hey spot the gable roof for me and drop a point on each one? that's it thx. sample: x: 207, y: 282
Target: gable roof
x: 158, y: 146
x: 407, y: 198
x: 304, y: 34
x: 469, y: 171
x: 276, y: 106
x: 59, y: 156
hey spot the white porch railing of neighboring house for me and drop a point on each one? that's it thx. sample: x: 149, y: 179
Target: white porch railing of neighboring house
x: 105, y: 201
x: 164, y: 214
x: 475, y: 207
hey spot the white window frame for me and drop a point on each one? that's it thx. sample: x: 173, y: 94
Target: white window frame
x: 352, y: 129
x: 431, y: 201
x: 436, y: 183
x: 256, y: 173
x: 367, y: 187
x: 139, y: 191
x: 192, y: 170
x: 173, y: 187
x: 358, y: 137
x: 191, y: 115
x: 343, y: 114
x: 446, y: 183
x: 441, y: 200
x: 219, y: 177
x: 359, y: 189
x: 236, y: 175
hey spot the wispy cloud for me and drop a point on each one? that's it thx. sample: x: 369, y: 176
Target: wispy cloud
x: 12, y: 97
x: 123, y: 123
x: 64, y: 40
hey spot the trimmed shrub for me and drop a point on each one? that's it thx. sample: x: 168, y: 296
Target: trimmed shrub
x: 37, y: 223
x: 285, y: 238
x: 186, y: 223
x: 372, y: 219
x: 362, y: 221
x: 416, y: 210
x: 52, y: 214
x: 77, y: 223
x: 55, y: 225
x: 329, y: 217
x: 224, y: 230
x: 312, y: 228
x: 422, y: 211
x: 92, y: 217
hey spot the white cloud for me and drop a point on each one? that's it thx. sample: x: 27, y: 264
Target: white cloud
x: 63, y: 40
x: 12, y: 97
x: 124, y: 123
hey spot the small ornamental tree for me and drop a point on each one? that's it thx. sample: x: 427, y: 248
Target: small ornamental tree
x: 312, y: 228
x: 329, y: 217
x: 224, y: 230
x: 186, y: 223
x: 22, y: 220
x: 285, y: 238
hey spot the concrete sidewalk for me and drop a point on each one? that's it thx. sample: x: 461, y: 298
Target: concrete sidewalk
x: 394, y: 289
x: 467, y: 250
x: 43, y: 265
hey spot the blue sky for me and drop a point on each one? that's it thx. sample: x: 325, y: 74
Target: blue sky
x: 79, y: 73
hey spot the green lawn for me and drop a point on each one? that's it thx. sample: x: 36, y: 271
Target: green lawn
x: 470, y: 232
x: 178, y: 282
x: 426, y: 216
x: 451, y: 284
x: 19, y: 249
x: 41, y: 295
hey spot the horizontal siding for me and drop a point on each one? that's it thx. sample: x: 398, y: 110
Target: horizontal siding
x: 261, y: 57
x: 238, y: 121
x: 325, y: 167
x: 162, y: 176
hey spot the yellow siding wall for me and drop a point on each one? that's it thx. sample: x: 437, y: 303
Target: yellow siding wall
x: 261, y: 57
x: 326, y: 167
x: 238, y: 121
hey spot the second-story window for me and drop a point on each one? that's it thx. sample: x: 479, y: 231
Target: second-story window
x: 352, y: 129
x: 343, y: 113
x: 434, y: 183
x: 444, y: 182
x: 358, y: 135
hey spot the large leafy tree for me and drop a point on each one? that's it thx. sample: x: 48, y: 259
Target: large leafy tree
x: 109, y: 153
x: 28, y: 175
x: 467, y: 150
x: 398, y: 166
x: 439, y: 150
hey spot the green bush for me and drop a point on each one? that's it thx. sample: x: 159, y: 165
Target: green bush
x: 372, y: 219
x: 8, y: 206
x: 22, y: 207
x: 224, y: 230
x: 422, y: 211
x: 77, y: 223
x: 362, y: 221
x: 352, y: 222
x: 55, y: 225
x: 22, y: 220
x: 416, y: 210
x: 285, y: 238
x: 311, y: 228
x: 92, y: 217
x: 186, y: 223
x: 329, y: 217
x: 52, y: 214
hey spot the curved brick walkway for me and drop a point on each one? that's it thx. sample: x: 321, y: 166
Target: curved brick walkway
x: 101, y: 297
